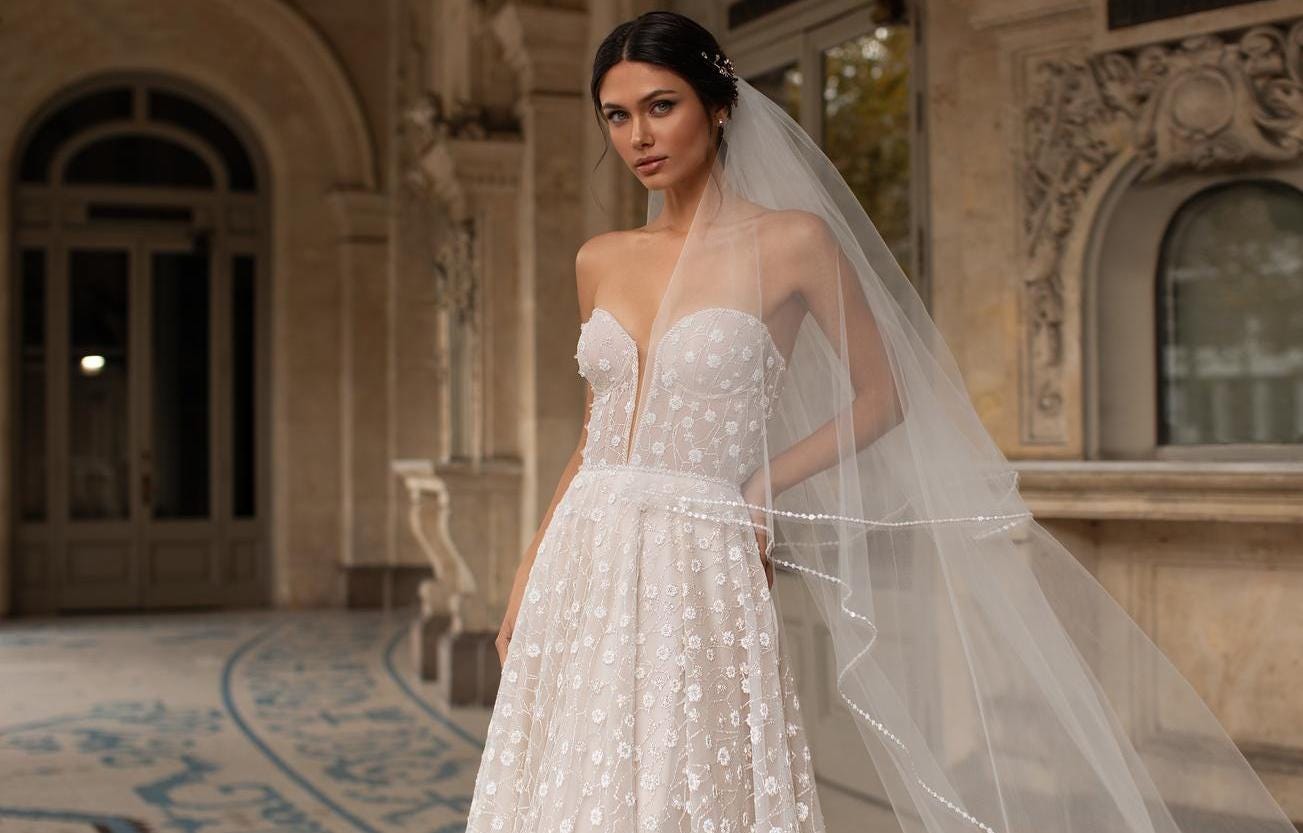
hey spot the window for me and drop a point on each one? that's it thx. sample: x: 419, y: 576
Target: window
x: 1230, y: 318
x: 1123, y: 13
x: 141, y: 146
x: 847, y: 76
x: 866, y: 131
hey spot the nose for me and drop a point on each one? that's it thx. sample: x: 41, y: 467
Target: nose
x: 640, y: 135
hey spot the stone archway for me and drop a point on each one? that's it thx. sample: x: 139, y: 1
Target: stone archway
x: 269, y: 66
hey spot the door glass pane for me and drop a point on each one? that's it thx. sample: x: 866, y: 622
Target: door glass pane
x: 1230, y: 318
x: 98, y: 465
x: 243, y: 350
x: 31, y: 391
x: 782, y: 86
x: 866, y: 130
x: 180, y: 397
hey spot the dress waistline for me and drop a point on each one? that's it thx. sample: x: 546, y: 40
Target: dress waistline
x: 615, y: 468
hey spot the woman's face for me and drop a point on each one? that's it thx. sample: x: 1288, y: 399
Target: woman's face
x: 653, y: 114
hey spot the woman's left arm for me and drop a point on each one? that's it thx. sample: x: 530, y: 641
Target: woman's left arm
x: 830, y: 287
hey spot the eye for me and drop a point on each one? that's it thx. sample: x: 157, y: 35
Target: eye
x: 610, y: 116
x: 668, y: 105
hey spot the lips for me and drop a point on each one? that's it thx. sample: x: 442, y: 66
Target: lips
x: 650, y: 165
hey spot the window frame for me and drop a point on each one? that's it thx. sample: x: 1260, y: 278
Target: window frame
x: 1121, y: 326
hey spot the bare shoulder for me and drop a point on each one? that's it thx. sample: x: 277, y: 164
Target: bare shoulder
x: 794, y: 230
x: 799, y: 249
x: 603, y: 250
x: 592, y: 262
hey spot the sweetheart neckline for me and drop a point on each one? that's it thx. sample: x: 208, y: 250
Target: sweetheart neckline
x: 654, y: 352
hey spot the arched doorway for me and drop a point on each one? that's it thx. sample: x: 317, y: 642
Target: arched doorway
x: 140, y: 284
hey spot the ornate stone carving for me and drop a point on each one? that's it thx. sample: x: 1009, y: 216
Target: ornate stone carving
x: 455, y: 628
x: 1204, y: 102
x: 455, y: 273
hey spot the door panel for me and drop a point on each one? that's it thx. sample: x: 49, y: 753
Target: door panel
x: 180, y: 378
x: 181, y: 537
x: 99, y: 364
x: 139, y: 375
x: 97, y: 565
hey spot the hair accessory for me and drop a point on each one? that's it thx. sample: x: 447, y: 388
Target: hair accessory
x: 723, y: 64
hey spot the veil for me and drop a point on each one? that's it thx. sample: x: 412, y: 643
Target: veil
x: 995, y: 683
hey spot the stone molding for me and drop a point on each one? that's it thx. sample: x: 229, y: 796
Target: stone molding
x: 361, y: 215
x: 321, y: 70
x: 998, y: 14
x: 1213, y: 101
x: 542, y: 44
x: 453, y: 168
x: 1166, y: 491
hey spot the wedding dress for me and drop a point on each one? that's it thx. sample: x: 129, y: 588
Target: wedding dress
x: 646, y: 688
x: 995, y: 684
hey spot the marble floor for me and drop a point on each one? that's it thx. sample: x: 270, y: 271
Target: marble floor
x: 261, y: 721
x: 223, y: 722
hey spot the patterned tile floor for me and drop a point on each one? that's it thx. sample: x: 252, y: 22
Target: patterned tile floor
x: 294, y: 722
x: 249, y: 722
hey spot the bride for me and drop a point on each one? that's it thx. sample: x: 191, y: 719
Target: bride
x: 764, y: 389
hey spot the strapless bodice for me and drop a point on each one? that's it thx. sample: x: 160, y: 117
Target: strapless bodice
x: 715, y: 375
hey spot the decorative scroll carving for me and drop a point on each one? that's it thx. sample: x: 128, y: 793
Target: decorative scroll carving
x: 453, y: 592
x: 455, y: 274
x: 1206, y: 102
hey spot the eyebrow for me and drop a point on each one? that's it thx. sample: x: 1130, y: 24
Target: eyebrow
x: 610, y: 104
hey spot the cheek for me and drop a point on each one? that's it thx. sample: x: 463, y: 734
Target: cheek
x: 683, y: 130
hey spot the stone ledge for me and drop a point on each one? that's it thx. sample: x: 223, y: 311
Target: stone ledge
x: 1163, y: 490
x: 366, y: 585
x: 995, y: 14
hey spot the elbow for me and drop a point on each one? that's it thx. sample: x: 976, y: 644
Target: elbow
x: 875, y: 413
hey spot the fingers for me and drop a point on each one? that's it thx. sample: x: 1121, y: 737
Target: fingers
x: 762, y: 542
x: 502, y: 643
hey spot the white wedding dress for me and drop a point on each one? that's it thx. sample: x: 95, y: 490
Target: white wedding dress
x: 646, y: 688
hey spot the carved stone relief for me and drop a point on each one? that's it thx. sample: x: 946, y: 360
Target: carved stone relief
x: 1211, y: 101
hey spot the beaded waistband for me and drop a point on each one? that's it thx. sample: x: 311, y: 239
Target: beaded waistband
x: 615, y: 468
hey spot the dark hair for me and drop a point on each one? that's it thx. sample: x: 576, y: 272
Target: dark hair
x: 675, y: 42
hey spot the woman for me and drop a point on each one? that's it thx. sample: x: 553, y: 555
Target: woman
x: 762, y: 377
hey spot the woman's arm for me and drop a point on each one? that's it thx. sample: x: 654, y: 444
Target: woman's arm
x: 585, y: 278
x: 876, y: 407
x: 527, y: 560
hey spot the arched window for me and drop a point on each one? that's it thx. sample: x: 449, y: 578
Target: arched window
x: 1230, y: 317
x: 146, y: 137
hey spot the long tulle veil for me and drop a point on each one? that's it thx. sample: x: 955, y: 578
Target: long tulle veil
x: 995, y: 683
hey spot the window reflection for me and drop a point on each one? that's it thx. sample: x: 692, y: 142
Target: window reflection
x: 866, y: 129
x: 181, y: 424
x: 97, y: 390
x: 1230, y: 309
x: 782, y: 86
x: 31, y: 396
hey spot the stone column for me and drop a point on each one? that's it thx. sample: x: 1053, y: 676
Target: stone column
x: 477, y: 479
x: 548, y: 49
x: 368, y: 489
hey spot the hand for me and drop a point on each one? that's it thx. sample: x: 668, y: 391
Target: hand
x: 762, y: 541
x: 755, y: 496
x: 504, y: 637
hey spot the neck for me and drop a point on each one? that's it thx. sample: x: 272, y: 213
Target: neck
x: 681, y: 200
